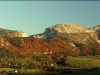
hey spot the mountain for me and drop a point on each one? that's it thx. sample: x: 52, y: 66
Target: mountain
x: 70, y: 32
x: 70, y: 39
x: 12, y: 33
x: 82, y: 39
x: 54, y: 45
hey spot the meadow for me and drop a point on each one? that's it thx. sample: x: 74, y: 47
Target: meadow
x: 83, y: 62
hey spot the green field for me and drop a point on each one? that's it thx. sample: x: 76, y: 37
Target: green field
x: 83, y: 62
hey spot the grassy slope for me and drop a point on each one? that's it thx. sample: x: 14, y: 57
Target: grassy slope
x: 83, y: 62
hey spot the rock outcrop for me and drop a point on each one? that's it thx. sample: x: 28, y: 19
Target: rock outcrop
x: 12, y: 33
x: 71, y: 32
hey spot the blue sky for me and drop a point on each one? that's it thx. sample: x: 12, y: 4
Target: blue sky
x: 33, y: 17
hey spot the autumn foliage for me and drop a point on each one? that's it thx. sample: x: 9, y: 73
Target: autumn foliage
x: 29, y: 46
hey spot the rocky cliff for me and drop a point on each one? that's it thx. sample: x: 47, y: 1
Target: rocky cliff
x: 71, y: 32
x: 12, y: 33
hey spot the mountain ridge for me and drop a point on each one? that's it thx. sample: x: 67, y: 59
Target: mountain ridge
x: 58, y: 28
x: 67, y: 29
x: 54, y: 39
x: 12, y: 33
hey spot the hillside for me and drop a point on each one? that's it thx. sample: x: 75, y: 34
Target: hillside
x: 69, y: 38
x: 28, y: 46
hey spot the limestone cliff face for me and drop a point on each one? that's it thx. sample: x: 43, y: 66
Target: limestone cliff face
x: 70, y: 31
x: 12, y: 33
x: 97, y: 30
x: 68, y: 28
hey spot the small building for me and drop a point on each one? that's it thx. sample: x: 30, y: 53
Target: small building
x: 51, y: 64
x: 15, y: 71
